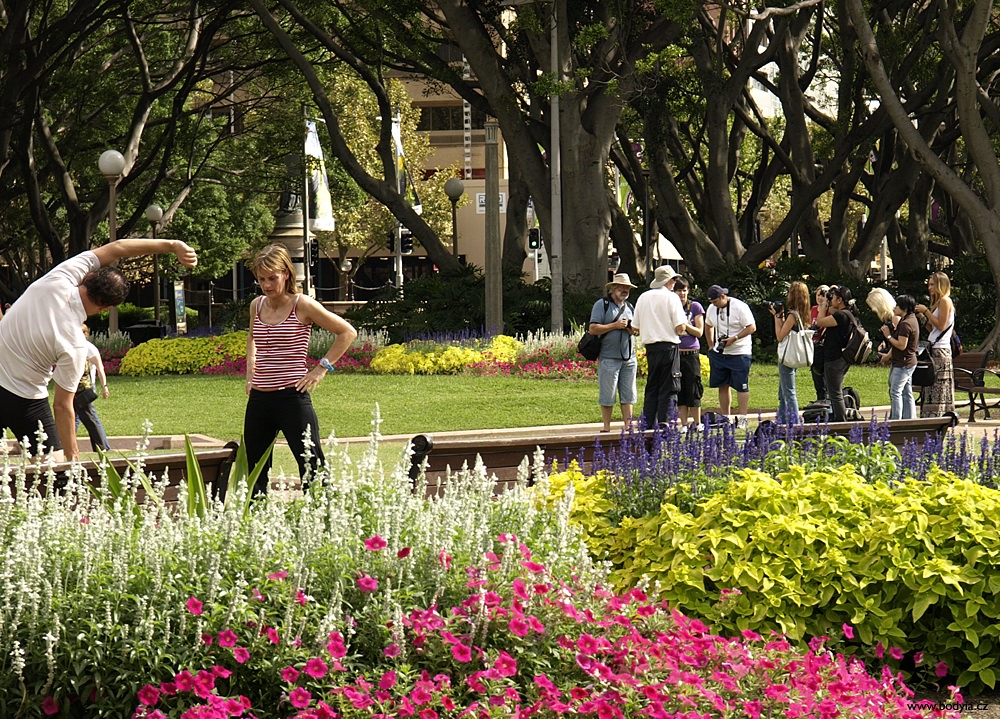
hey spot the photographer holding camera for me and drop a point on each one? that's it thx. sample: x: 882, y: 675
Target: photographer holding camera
x: 835, y: 317
x: 728, y: 326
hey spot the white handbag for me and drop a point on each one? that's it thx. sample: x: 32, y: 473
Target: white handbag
x: 796, y: 350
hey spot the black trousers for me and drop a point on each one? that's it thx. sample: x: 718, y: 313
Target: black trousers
x: 662, y: 382
x: 287, y: 411
x: 21, y: 416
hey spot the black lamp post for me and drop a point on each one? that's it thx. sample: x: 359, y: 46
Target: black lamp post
x: 154, y: 213
x: 454, y: 188
x: 111, y: 163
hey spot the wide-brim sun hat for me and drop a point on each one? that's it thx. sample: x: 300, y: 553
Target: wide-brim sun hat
x: 662, y: 275
x: 620, y: 279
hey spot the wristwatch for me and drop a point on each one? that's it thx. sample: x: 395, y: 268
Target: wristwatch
x: 325, y: 364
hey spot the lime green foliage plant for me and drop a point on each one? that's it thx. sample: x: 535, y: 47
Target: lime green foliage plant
x: 182, y: 355
x: 908, y: 566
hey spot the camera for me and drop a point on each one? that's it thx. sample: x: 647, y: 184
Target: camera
x: 830, y: 294
x: 776, y: 305
x: 720, y: 345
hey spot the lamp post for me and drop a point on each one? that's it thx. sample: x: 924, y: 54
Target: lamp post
x: 494, y: 253
x: 555, y: 167
x: 345, y: 267
x: 454, y: 188
x: 111, y: 163
x: 154, y: 213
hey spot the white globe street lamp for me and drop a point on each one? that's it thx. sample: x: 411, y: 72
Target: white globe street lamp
x: 112, y: 164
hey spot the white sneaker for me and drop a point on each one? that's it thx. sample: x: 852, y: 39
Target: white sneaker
x: 741, y: 423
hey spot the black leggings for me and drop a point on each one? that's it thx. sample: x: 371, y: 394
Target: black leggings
x: 287, y: 411
x: 21, y: 416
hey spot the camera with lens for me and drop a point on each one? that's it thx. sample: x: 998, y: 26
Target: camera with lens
x: 777, y: 305
x: 720, y: 345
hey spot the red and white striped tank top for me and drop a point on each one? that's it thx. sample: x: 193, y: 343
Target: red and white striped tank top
x: 281, y: 350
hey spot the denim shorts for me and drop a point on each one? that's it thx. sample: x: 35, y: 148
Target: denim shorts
x: 732, y: 370
x: 617, y: 376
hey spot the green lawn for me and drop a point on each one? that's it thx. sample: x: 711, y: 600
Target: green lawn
x: 409, y: 405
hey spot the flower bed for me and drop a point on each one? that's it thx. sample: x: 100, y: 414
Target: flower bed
x: 531, y: 646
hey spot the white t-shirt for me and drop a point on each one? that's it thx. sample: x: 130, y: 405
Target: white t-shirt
x: 729, y: 321
x: 45, y: 328
x: 657, y: 315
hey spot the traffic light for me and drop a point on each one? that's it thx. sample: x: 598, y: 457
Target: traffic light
x: 391, y: 243
x: 534, y: 239
x: 406, y: 242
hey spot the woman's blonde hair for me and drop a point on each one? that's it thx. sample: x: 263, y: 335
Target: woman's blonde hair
x: 275, y: 258
x: 797, y: 299
x: 882, y: 303
x: 942, y: 286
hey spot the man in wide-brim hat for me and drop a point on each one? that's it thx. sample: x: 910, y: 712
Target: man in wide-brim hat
x: 611, y: 319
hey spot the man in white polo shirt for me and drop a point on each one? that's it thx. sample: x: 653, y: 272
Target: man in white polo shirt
x: 41, y: 338
x: 729, y: 323
x: 660, y: 318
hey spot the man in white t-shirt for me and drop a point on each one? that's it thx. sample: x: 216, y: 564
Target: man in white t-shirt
x: 729, y: 323
x: 660, y: 319
x: 41, y: 338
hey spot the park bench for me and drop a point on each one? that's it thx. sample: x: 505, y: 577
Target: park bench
x: 503, y: 455
x: 978, y: 390
x: 901, y: 431
x: 965, y: 365
x: 214, y: 463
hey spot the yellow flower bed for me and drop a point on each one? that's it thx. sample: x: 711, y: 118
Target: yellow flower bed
x: 400, y: 359
x: 182, y: 355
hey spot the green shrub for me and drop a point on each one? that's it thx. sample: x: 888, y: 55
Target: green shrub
x: 909, y: 566
x: 182, y: 355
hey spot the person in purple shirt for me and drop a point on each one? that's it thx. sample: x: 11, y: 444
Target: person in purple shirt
x: 692, y: 389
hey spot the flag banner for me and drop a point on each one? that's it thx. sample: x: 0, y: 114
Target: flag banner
x: 321, y: 217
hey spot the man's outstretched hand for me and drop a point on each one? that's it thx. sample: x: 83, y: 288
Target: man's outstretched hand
x: 185, y: 254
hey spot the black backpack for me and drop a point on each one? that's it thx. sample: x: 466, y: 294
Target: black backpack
x: 818, y: 411
x: 852, y: 405
x: 859, y: 344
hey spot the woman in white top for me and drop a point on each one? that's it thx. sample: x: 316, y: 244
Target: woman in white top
x: 939, y: 322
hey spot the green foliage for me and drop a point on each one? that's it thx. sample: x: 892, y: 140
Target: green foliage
x: 452, y: 301
x: 182, y: 355
x: 908, y: 565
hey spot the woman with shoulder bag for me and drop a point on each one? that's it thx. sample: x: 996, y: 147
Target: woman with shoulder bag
x: 786, y: 321
x: 901, y: 355
x: 939, y: 321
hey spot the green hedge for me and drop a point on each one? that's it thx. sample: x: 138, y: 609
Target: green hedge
x: 914, y: 566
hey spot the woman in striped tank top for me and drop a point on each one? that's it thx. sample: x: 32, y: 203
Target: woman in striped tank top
x: 278, y: 379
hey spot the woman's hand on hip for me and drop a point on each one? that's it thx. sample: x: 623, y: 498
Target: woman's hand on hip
x: 311, y: 379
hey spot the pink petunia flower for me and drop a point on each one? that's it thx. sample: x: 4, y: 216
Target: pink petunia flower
x: 290, y: 674
x: 404, y: 552
x: 367, y: 584
x: 300, y: 698
x: 301, y: 597
x: 375, y: 544
x: 241, y: 655
x: 194, y: 606
x: 388, y: 680
x: 149, y: 695
x: 316, y: 668
x: 227, y: 638
x: 848, y: 631
x: 278, y: 576
x: 207, y: 639
x: 50, y: 706
x: 941, y: 669
x: 221, y: 672
x: 272, y: 635
x: 518, y: 627
x: 461, y: 652
x: 896, y: 653
x: 391, y: 651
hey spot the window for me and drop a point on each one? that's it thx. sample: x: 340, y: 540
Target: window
x: 447, y: 118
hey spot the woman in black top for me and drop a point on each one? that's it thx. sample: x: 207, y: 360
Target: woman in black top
x: 835, y: 319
